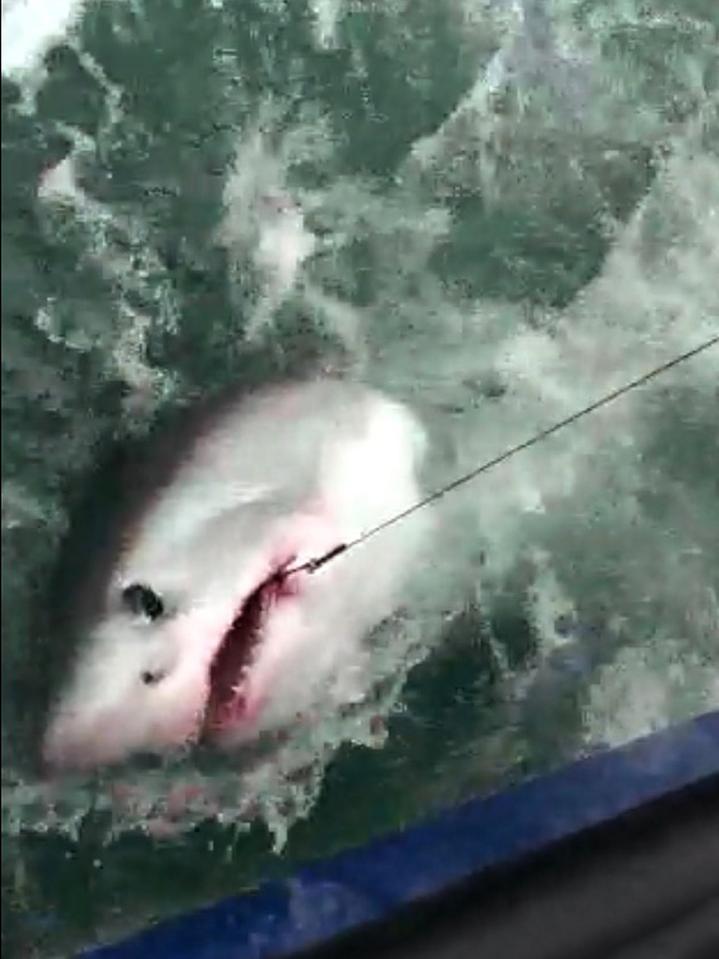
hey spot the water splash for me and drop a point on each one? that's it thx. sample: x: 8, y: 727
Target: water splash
x: 29, y: 27
x: 420, y: 277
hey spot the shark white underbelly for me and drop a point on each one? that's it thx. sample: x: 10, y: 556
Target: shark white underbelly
x: 199, y: 632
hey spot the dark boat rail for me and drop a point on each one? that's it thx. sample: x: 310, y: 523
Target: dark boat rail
x: 371, y: 898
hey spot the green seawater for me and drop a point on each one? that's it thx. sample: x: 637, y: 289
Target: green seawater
x: 495, y: 211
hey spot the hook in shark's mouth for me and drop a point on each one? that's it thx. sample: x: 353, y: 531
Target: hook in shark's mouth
x: 227, y: 701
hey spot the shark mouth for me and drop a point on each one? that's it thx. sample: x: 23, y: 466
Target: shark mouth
x: 227, y: 701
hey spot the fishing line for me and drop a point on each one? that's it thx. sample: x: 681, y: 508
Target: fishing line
x: 312, y: 565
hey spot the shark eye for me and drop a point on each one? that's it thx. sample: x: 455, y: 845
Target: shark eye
x: 142, y: 601
x: 152, y: 679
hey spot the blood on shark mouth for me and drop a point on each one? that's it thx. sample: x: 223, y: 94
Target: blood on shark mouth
x: 226, y: 704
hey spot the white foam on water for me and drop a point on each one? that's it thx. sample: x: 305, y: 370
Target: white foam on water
x: 654, y: 296
x: 326, y: 14
x: 120, y: 248
x: 29, y: 27
x: 646, y: 688
x: 263, y: 227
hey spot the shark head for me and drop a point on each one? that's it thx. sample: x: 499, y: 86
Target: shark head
x: 207, y: 626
